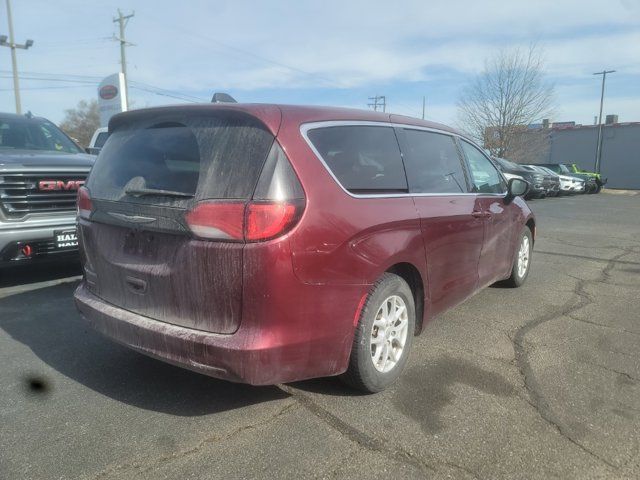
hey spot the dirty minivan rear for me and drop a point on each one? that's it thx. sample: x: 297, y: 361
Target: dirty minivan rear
x: 184, y: 215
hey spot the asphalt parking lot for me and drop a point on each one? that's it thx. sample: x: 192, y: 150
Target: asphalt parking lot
x: 537, y: 382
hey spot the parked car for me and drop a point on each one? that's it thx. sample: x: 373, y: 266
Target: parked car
x: 600, y: 182
x: 41, y: 170
x: 568, y: 184
x: 535, y: 179
x: 590, y: 185
x: 550, y: 181
x: 97, y: 140
x: 267, y: 244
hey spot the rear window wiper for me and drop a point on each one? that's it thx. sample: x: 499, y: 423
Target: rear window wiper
x: 141, y: 192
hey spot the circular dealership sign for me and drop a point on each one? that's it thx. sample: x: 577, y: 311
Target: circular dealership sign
x: 108, y: 92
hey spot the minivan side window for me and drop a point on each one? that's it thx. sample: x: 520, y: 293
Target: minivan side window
x: 432, y: 161
x: 484, y: 176
x: 364, y: 158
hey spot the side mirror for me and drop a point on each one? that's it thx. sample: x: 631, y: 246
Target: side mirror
x: 517, y: 188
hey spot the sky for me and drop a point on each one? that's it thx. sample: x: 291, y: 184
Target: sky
x: 321, y: 52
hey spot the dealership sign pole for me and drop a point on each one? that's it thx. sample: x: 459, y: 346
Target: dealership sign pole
x: 112, y: 97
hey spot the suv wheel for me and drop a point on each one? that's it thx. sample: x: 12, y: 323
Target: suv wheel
x: 383, y: 337
x: 522, y: 262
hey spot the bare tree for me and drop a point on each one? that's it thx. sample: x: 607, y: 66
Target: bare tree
x: 80, y: 122
x: 509, y: 95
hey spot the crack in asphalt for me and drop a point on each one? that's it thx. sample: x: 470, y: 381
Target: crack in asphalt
x: 154, y: 462
x: 522, y: 354
x: 603, y: 325
x: 357, y: 436
x: 604, y: 367
x: 562, y: 241
x: 586, y: 257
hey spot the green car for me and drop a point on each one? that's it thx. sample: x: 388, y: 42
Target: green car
x: 598, y: 178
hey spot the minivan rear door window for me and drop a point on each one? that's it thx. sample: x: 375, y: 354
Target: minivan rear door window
x: 363, y: 158
x: 432, y: 161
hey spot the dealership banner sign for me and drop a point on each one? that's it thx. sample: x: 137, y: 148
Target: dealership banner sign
x: 111, y: 97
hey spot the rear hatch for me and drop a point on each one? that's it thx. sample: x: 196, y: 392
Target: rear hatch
x: 139, y: 253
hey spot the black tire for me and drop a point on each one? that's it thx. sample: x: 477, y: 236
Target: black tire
x: 362, y: 374
x: 516, y: 280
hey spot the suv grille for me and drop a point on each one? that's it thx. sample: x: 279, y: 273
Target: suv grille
x: 20, y: 193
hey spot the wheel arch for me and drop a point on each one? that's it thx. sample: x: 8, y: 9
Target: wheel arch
x: 410, y: 274
x: 531, y: 224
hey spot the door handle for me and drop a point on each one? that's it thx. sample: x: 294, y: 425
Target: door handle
x: 479, y: 214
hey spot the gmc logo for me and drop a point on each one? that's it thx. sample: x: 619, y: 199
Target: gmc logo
x: 53, y: 185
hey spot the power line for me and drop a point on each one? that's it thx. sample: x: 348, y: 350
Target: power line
x: 48, y: 88
x: 166, y: 93
x: 52, y: 79
x: 94, y: 77
x: 93, y: 80
x: 261, y: 58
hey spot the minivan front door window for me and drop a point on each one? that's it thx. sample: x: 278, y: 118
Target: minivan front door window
x: 484, y: 176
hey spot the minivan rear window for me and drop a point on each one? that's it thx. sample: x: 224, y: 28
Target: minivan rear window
x: 217, y: 156
x: 363, y: 158
x: 433, y: 162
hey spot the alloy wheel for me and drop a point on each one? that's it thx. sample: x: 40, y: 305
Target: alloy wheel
x: 389, y: 333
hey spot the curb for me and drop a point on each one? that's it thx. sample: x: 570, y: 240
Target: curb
x: 615, y: 191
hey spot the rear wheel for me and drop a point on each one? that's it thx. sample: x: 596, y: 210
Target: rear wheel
x: 383, y: 337
x: 522, y: 262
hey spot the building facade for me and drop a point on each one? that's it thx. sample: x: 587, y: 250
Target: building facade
x: 620, y: 159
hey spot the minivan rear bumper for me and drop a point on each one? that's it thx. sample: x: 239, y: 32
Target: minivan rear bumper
x: 248, y: 356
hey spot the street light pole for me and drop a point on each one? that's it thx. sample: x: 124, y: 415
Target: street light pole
x: 14, y: 62
x: 599, y: 143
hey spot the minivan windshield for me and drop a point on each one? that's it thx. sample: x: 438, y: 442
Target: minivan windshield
x: 217, y: 156
x: 23, y: 133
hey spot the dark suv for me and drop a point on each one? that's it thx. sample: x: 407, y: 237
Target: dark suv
x: 536, y: 180
x: 266, y: 244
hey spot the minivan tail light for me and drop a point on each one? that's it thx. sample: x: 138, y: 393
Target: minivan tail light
x: 276, y: 207
x: 217, y: 220
x: 269, y: 220
x: 84, y: 204
x: 234, y: 221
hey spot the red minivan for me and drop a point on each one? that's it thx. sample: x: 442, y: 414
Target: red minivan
x: 267, y: 243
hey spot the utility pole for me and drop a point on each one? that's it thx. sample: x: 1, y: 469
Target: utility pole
x: 13, y: 45
x: 378, y: 101
x: 123, y: 20
x: 599, y: 144
x: 424, y: 103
